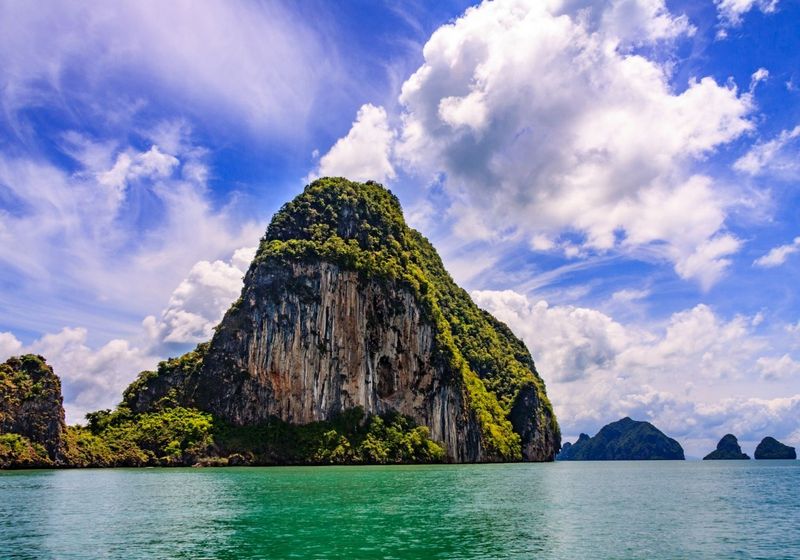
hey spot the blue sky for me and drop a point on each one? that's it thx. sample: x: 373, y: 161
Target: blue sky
x: 616, y: 180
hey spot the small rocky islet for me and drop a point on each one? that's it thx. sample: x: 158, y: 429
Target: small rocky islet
x: 350, y: 343
x: 771, y: 448
x: 623, y: 440
x: 728, y: 449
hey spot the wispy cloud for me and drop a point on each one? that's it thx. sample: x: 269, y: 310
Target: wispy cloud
x: 777, y: 157
x: 731, y: 12
x: 778, y: 255
x: 77, y: 240
x: 257, y: 62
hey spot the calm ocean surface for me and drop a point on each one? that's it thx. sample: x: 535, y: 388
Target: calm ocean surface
x: 656, y: 510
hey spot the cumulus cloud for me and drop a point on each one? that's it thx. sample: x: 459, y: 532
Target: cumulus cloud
x: 90, y: 378
x: 691, y: 375
x: 569, y: 342
x: 9, y: 345
x: 573, y: 131
x: 776, y: 157
x: 778, y: 255
x: 94, y: 376
x: 364, y: 153
x: 131, y: 166
x: 637, y: 22
x: 772, y: 368
x: 198, y: 303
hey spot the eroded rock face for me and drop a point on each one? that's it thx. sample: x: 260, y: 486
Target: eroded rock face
x: 309, y: 340
x: 31, y: 405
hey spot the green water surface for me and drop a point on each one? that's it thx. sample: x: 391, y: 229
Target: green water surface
x: 647, y: 510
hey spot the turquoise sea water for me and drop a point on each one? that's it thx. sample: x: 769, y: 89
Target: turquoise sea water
x: 615, y: 510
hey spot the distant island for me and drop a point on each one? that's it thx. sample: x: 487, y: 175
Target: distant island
x: 727, y: 449
x: 771, y: 448
x: 350, y: 343
x: 623, y: 440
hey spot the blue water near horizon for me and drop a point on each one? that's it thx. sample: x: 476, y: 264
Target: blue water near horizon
x: 597, y: 510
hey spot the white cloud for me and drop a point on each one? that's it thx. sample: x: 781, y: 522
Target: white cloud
x: 778, y: 255
x: 643, y: 22
x: 122, y: 230
x: 692, y: 376
x: 628, y: 296
x: 257, y: 62
x: 93, y: 377
x: 772, y: 368
x: 572, y: 132
x: 364, y: 154
x: 9, y: 345
x: 568, y: 342
x: 200, y: 300
x: 757, y: 77
x: 775, y: 156
x: 90, y: 378
x: 730, y: 12
x: 130, y: 166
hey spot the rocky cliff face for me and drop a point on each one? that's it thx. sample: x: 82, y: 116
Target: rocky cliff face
x: 31, y: 413
x: 345, y: 306
x: 624, y: 440
x: 309, y: 341
x: 728, y: 448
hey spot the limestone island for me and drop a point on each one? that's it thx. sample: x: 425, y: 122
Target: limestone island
x: 350, y: 343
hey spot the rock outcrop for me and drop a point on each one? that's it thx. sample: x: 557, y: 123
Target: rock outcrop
x: 771, y: 448
x: 32, y: 427
x: 346, y: 307
x: 569, y: 448
x: 624, y: 440
x: 727, y: 449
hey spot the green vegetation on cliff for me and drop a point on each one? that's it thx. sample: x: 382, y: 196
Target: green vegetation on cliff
x: 174, y: 435
x: 360, y: 226
x: 151, y: 426
x: 20, y: 452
